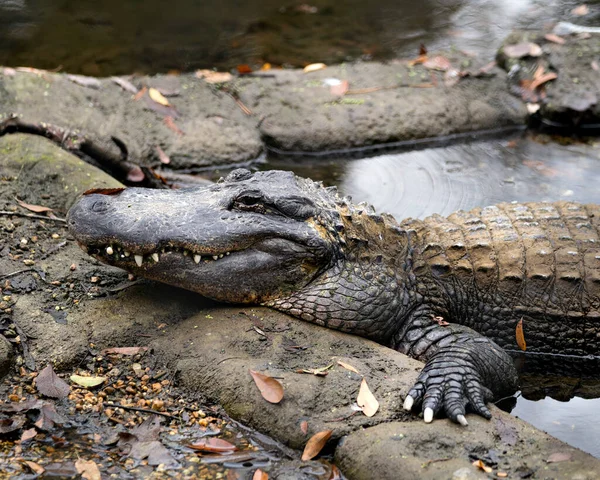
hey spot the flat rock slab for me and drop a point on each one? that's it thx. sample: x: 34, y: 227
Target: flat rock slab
x: 385, y: 103
x: 573, y: 98
x: 204, y: 128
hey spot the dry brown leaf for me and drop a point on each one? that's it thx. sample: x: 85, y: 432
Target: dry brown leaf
x: 437, y: 63
x: 28, y: 434
x: 170, y: 123
x: 103, y: 191
x: 520, y: 335
x: 34, y: 208
x: 347, y: 366
x: 304, y: 427
x: 141, y: 93
x: 34, y: 467
x: 50, y: 385
x: 88, y: 469
x: 543, y: 79
x: 162, y: 156
x: 367, y: 400
x: 559, y: 457
x: 265, y: 67
x: 313, y: 67
x: 244, y: 69
x: 210, y: 76
x: 339, y: 89
x: 422, y: 50
x: 214, y: 445
x: 524, y: 49
x: 581, y: 10
x: 270, y: 389
x: 482, y: 466
x: 551, y: 37
x: 124, y: 350
x: 315, y: 444
x: 260, y: 475
x: 158, y: 97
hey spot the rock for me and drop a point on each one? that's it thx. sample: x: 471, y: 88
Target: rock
x: 41, y: 173
x: 570, y: 100
x: 6, y: 356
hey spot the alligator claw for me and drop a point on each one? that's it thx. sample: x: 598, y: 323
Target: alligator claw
x: 451, y: 386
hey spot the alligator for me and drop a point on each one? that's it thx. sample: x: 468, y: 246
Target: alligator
x: 450, y: 291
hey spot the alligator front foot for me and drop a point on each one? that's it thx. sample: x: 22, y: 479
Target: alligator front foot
x: 452, y: 385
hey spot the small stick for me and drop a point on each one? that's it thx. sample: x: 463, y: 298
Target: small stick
x: 32, y: 215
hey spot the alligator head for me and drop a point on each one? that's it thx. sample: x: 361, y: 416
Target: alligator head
x: 268, y: 237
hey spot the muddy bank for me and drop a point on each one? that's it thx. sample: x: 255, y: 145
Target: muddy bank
x: 65, y: 301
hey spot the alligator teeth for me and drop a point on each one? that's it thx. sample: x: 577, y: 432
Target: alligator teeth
x: 215, y: 257
x: 139, y: 259
x: 185, y: 253
x: 155, y: 257
x: 109, y: 250
x: 126, y: 253
x: 197, y: 258
x: 221, y: 255
x: 227, y: 253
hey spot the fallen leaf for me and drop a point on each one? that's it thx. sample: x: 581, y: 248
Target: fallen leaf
x: 48, y: 417
x: 214, y: 445
x: 437, y: 63
x: 141, y: 93
x: 422, y: 50
x: 88, y: 469
x: 521, y: 50
x: 260, y: 475
x: 552, y: 37
x: 304, y: 427
x: 87, y: 382
x: 162, y: 156
x: 210, y: 76
x: 34, y: 467
x: 8, y: 425
x: 124, y: 350
x: 28, y: 434
x: 125, y: 84
x: 243, y: 69
x: 366, y: 400
x: 315, y: 444
x: 85, y: 81
x: 34, y: 208
x: 265, y: 67
x: 520, y: 336
x: 50, y: 385
x: 559, y: 457
x: 103, y: 191
x: 418, y: 60
x: 482, y: 466
x: 313, y: 67
x: 335, y: 473
x: 270, y: 389
x: 581, y: 10
x: 320, y: 372
x: 158, y: 97
x: 170, y: 123
x: 340, y: 89
x: 37, y: 71
x: 543, y: 79
x: 347, y: 366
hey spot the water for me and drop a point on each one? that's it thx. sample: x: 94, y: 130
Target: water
x: 148, y: 36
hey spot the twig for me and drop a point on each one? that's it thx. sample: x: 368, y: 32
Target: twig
x: 138, y: 409
x: 429, y: 462
x: 8, y: 275
x: 32, y: 215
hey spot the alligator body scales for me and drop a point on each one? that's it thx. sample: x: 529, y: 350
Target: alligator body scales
x: 447, y: 290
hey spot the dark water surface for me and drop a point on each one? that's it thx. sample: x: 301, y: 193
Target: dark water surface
x: 523, y: 167
x: 124, y: 36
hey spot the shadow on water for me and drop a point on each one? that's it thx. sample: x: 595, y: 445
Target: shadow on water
x: 124, y: 36
x: 558, y: 395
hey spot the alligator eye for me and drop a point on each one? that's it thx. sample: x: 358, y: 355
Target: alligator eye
x: 251, y: 203
x: 100, y: 206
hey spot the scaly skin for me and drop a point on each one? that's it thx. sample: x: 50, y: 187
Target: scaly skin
x: 424, y: 288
